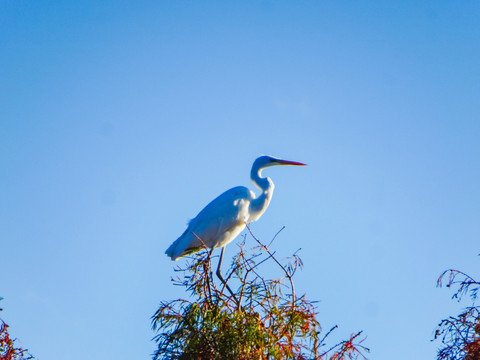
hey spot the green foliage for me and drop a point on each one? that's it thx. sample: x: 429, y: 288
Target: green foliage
x: 261, y: 319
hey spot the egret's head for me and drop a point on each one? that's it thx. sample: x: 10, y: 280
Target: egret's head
x: 263, y: 162
x: 266, y: 161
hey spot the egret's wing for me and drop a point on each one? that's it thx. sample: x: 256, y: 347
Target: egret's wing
x: 216, y: 221
x: 224, y: 213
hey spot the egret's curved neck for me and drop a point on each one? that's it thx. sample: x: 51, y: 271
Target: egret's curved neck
x: 260, y: 203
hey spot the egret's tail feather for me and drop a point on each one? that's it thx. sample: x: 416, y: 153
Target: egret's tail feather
x: 171, y: 252
x: 175, y: 255
x: 183, y: 246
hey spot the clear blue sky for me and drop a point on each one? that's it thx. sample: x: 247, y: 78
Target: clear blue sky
x: 120, y: 120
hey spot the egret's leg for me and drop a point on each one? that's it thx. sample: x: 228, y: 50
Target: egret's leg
x: 219, y: 275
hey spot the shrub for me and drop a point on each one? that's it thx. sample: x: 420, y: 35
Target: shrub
x: 460, y: 335
x: 261, y: 319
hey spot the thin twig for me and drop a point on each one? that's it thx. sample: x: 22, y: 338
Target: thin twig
x: 275, y: 236
x: 278, y: 263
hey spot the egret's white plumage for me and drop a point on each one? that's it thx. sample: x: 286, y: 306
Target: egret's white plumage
x: 225, y: 217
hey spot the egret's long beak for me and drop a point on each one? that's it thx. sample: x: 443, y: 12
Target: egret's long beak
x: 286, y: 162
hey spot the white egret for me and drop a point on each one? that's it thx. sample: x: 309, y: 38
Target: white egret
x: 225, y: 217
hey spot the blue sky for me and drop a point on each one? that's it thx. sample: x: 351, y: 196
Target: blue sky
x: 121, y: 120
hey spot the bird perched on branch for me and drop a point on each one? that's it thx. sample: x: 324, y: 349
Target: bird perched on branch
x: 225, y: 217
